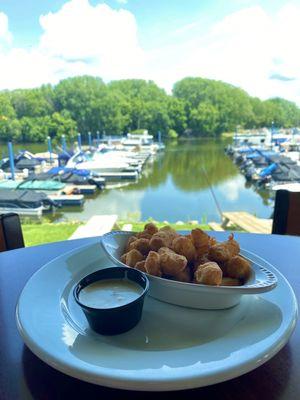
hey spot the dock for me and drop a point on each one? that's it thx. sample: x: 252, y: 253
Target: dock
x: 67, y: 199
x: 111, y: 176
x: 247, y: 222
x: 95, y: 226
x: 215, y: 226
x: 26, y: 212
x: 86, y: 189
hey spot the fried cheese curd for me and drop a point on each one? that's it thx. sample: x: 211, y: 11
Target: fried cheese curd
x: 140, y: 265
x: 208, y: 274
x: 238, y: 267
x: 172, y: 264
x: 142, y: 245
x: 163, y: 238
x: 224, y: 251
x: 184, y: 246
x: 152, y: 264
x: 193, y: 258
x: 201, y: 241
x: 132, y: 257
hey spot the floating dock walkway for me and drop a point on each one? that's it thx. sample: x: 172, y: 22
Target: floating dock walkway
x: 96, y: 226
x: 244, y: 221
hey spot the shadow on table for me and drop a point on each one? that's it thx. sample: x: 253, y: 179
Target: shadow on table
x: 44, y: 382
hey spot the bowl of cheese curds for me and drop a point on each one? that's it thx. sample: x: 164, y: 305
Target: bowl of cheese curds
x: 191, y: 270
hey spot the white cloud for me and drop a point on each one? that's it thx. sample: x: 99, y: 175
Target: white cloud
x: 78, y: 39
x: 5, y: 35
x: 245, y: 48
x: 231, y: 189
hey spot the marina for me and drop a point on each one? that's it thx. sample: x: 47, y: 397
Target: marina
x: 171, y: 187
x: 181, y: 183
x: 272, y: 162
x: 65, y: 178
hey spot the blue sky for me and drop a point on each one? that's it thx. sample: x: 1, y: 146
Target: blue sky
x: 155, y: 18
x: 250, y: 44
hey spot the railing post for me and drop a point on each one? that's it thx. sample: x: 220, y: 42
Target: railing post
x: 159, y: 136
x: 11, y: 160
x: 63, y: 143
x: 49, y: 148
x: 79, y: 141
x: 90, y: 139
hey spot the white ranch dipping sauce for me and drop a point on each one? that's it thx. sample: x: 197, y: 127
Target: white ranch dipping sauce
x: 109, y: 293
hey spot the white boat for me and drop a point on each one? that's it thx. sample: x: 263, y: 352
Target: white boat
x: 144, y: 142
x: 116, y: 156
x: 99, y: 164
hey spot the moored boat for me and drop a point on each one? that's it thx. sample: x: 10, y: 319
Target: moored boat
x: 24, y: 202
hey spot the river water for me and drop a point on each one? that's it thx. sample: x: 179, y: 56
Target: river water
x: 191, y: 180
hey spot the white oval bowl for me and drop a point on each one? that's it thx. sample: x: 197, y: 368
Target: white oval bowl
x: 191, y: 294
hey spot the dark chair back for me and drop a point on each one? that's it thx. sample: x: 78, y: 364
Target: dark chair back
x: 286, y: 219
x: 11, y: 236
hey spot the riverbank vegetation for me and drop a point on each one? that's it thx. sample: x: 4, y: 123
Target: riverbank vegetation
x: 197, y: 107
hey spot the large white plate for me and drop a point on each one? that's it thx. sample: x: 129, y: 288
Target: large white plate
x: 171, y: 348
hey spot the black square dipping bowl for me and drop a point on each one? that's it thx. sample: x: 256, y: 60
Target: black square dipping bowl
x: 119, y: 319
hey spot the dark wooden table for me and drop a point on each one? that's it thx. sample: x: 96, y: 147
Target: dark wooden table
x: 24, y: 376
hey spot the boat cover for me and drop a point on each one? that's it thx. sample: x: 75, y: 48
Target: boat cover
x: 22, y: 199
x: 68, y: 177
x: 26, y: 163
x: 268, y: 171
x: 287, y: 174
x: 32, y: 185
x: 59, y: 170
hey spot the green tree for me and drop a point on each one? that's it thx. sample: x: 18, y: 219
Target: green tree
x: 62, y: 124
x: 147, y: 104
x: 35, y: 129
x: 77, y: 96
x: 9, y: 125
x: 177, y: 115
x: 32, y: 102
x: 205, y: 119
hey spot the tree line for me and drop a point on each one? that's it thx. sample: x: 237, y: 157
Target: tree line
x: 197, y: 107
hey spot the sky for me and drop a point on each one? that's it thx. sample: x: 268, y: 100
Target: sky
x: 250, y: 44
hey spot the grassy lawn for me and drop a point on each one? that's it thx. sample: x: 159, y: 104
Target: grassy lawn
x: 46, y: 232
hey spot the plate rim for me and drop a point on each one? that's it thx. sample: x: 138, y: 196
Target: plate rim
x: 139, y: 383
